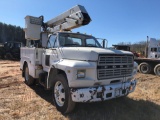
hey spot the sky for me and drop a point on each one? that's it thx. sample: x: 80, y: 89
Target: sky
x: 115, y: 20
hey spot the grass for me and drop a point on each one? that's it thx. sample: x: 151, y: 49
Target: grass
x: 18, y: 101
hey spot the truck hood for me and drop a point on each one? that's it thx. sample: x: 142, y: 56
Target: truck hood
x: 88, y: 53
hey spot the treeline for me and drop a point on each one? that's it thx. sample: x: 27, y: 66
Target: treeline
x: 11, y: 33
x: 137, y: 47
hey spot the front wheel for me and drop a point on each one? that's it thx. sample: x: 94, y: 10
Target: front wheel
x: 61, y: 94
x: 157, y: 70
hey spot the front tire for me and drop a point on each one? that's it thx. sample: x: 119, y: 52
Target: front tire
x: 157, y: 70
x: 61, y: 95
x: 28, y: 79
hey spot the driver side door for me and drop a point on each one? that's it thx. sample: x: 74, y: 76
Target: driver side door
x: 50, y: 54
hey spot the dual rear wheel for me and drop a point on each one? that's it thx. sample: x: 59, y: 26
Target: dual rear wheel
x: 146, y: 68
x: 28, y: 79
x: 157, y: 70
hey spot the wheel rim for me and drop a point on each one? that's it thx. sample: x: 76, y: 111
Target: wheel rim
x: 144, y: 68
x: 26, y: 74
x: 59, y: 93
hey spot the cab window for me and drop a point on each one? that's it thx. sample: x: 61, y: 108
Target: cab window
x: 52, y: 42
x: 154, y: 49
x: 91, y: 43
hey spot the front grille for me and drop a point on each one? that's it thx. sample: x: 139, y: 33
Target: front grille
x: 113, y: 59
x: 114, y: 66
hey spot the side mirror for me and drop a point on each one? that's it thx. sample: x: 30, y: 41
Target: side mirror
x: 104, y: 43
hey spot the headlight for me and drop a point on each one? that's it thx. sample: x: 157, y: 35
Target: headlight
x: 81, y: 73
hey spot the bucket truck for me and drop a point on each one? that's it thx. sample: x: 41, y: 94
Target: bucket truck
x: 74, y: 65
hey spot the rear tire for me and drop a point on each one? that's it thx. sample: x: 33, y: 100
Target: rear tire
x: 61, y: 95
x: 144, y: 68
x: 28, y: 79
x: 157, y: 70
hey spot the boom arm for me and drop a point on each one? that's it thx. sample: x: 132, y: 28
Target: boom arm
x: 73, y: 18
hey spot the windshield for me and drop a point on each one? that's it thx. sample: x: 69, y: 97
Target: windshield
x: 77, y: 40
x: 159, y: 49
x: 154, y: 49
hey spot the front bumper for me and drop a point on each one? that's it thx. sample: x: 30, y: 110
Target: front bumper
x: 101, y: 93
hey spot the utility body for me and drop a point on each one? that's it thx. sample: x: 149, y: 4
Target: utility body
x: 75, y: 66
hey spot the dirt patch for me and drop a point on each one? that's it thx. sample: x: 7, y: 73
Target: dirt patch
x: 18, y: 101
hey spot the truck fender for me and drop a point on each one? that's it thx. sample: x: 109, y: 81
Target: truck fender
x: 51, y: 75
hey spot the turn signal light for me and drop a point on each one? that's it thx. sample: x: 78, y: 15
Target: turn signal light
x: 130, y: 88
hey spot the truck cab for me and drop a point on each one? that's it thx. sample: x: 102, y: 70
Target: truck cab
x: 153, y: 48
x: 84, y: 53
x: 154, y: 52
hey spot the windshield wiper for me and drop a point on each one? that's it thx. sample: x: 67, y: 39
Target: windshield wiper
x: 71, y: 45
x: 91, y: 45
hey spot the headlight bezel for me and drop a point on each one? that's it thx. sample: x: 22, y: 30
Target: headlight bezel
x: 81, y: 73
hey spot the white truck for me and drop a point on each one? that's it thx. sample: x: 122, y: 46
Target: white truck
x: 74, y: 65
x: 151, y: 62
